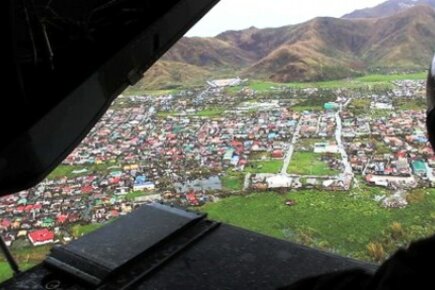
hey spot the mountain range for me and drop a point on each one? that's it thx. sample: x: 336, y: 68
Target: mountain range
x: 323, y: 48
x: 388, y: 8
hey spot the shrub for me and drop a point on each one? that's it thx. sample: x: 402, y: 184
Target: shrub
x: 397, y: 231
x: 376, y: 251
x: 324, y: 245
x: 415, y: 196
x: 305, y: 236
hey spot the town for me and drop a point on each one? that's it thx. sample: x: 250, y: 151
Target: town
x: 200, y: 145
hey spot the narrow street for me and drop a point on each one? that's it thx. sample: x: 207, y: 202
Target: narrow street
x: 289, y: 154
x: 338, y: 132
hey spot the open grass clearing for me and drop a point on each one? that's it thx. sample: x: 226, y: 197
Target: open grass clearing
x: 81, y: 230
x: 233, y: 181
x: 309, y: 163
x: 374, y: 81
x: 67, y: 170
x: 271, y: 166
x: 340, y: 222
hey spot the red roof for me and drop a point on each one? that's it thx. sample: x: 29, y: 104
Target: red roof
x: 191, y: 197
x: 235, y: 143
x: 171, y: 136
x: 31, y: 207
x: 66, y: 189
x: 277, y: 154
x: 90, y: 178
x: 115, y: 180
x: 62, y: 218
x: 20, y: 208
x: 28, y: 207
x: 87, y: 189
x: 41, y: 236
x: 6, y: 223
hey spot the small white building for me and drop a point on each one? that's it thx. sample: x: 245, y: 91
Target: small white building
x: 382, y: 106
x: 121, y: 191
x: 279, y: 181
x: 325, y: 147
x: 224, y: 83
x: 144, y: 186
x: 22, y: 233
x: 148, y: 198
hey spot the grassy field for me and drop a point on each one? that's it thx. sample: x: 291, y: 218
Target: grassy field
x: 374, y: 80
x: 259, y: 155
x: 211, y: 112
x: 133, y: 195
x: 410, y: 104
x: 6, y: 272
x: 233, y: 181
x: 138, y: 91
x: 261, y: 86
x: 26, y: 257
x: 377, y: 113
x: 339, y: 222
x: 67, y: 170
x: 302, y: 108
x: 360, y: 106
x: 81, y: 230
x: 382, y: 148
x: 158, y: 92
x: 308, y: 143
x: 309, y: 163
x: 233, y: 90
x: 166, y: 114
x: 271, y: 166
x: 312, y: 104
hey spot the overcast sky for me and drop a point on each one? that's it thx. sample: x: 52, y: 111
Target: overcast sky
x: 241, y: 14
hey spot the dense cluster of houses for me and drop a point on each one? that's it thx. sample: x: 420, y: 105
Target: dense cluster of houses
x: 317, y: 125
x: 408, y: 88
x: 44, y: 214
x: 168, y: 148
x: 394, y: 152
x: 134, y: 149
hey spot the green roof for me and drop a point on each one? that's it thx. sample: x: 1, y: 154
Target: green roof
x: 331, y: 106
x: 419, y: 165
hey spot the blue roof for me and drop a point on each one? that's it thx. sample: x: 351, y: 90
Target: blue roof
x: 140, y: 180
x: 422, y: 139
